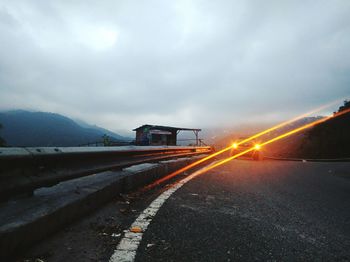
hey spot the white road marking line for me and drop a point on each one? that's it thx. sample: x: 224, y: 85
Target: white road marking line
x: 127, y: 247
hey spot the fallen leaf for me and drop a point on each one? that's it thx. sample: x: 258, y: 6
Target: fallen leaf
x: 136, y: 229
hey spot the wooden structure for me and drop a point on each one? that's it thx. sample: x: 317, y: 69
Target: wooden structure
x: 153, y: 135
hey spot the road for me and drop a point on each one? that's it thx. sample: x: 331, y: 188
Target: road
x: 242, y: 211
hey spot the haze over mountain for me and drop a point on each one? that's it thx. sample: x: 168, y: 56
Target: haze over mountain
x: 326, y: 140
x: 25, y: 128
x: 241, y: 133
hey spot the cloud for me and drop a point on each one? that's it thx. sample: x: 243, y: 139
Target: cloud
x: 186, y: 63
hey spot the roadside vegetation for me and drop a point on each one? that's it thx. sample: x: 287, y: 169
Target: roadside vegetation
x: 330, y: 139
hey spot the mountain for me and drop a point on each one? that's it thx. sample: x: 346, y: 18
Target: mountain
x: 329, y: 139
x: 239, y: 134
x: 103, y: 130
x: 2, y: 141
x: 285, y: 147
x: 128, y: 136
x: 24, y: 128
x: 290, y: 145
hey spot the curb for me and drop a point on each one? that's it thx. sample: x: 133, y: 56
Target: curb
x: 24, y: 222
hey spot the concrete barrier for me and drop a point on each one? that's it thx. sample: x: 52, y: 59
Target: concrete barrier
x: 26, y: 221
x: 22, y: 170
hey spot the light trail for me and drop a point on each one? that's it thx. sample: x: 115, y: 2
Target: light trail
x: 289, y: 121
x: 235, y: 145
x: 296, y: 130
x: 131, y: 240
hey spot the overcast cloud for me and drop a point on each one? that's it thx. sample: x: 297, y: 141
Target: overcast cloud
x: 121, y: 64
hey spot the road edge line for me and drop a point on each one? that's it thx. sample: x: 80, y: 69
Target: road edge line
x: 128, y: 245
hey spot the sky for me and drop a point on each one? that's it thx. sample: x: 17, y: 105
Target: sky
x: 201, y: 63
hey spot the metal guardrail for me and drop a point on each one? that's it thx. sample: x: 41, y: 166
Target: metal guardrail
x: 22, y: 170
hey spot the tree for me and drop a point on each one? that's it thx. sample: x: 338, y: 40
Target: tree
x: 329, y: 139
x: 345, y: 106
x: 2, y: 141
x: 106, y: 140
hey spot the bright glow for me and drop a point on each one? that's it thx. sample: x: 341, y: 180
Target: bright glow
x: 234, y: 145
x: 290, y: 121
x: 277, y: 138
x: 98, y: 37
x: 250, y: 149
x: 257, y: 147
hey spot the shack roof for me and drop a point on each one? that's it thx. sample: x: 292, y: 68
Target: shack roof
x: 166, y: 128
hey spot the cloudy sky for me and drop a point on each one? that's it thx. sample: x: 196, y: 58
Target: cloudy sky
x: 120, y: 64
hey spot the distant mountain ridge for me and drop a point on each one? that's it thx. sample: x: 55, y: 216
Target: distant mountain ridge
x: 286, y: 147
x: 25, y: 128
x: 327, y: 140
x: 103, y: 130
x: 236, y: 136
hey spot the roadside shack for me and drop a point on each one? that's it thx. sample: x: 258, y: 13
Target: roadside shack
x: 154, y: 135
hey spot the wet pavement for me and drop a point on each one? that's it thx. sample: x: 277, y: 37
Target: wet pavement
x: 243, y: 211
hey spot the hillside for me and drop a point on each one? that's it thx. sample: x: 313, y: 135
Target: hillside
x: 330, y: 139
x: 288, y: 146
x: 282, y: 147
x: 24, y: 128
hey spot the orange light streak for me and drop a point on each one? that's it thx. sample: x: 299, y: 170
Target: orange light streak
x: 175, y: 173
x: 296, y: 130
x: 235, y: 145
x: 196, y: 163
x: 289, y: 121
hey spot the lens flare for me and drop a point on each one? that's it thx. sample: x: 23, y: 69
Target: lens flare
x: 257, y: 147
x: 181, y: 170
x: 296, y: 130
x: 235, y: 145
x: 291, y: 121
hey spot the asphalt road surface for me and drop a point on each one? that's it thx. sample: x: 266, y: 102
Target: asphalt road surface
x: 242, y: 211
